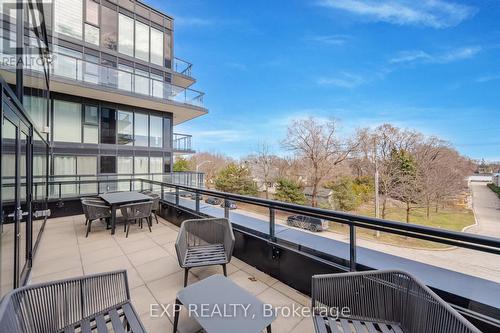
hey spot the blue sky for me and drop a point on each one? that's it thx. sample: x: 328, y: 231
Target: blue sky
x: 427, y: 65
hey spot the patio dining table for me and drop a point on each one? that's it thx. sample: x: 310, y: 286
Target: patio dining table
x: 116, y: 199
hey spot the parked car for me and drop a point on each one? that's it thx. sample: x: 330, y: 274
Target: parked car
x: 306, y: 222
x: 229, y: 204
x: 213, y: 201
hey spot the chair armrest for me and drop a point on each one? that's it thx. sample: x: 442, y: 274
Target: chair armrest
x: 181, y: 244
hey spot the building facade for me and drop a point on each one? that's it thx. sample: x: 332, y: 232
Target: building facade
x: 97, y: 93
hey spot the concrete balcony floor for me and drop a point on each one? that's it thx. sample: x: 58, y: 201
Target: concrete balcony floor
x: 153, y: 271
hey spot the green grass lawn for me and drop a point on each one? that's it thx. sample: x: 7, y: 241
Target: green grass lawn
x: 494, y: 188
x: 449, y: 218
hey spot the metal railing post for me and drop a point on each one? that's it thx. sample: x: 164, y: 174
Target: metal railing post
x: 142, y: 185
x: 60, y: 190
x: 197, y: 199
x: 272, y: 223
x: 177, y: 196
x: 226, y: 208
x: 352, y: 248
x: 130, y: 184
x: 162, y: 194
x: 98, y: 187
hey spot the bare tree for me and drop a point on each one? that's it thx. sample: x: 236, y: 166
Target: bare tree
x: 210, y: 164
x: 263, y: 166
x: 319, y: 147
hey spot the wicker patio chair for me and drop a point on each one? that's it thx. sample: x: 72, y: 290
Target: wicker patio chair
x: 83, y: 304
x: 137, y: 212
x: 156, y: 205
x: 204, y: 242
x: 95, y: 210
x: 381, y: 301
x: 96, y: 199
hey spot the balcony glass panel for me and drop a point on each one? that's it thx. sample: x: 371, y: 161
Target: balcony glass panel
x: 67, y: 121
x: 126, y: 35
x: 37, y: 109
x: 64, y: 166
x: 109, y: 28
x: 141, y: 82
x: 125, y: 165
x: 125, y: 128
x: 156, y: 131
x: 91, y: 70
x: 68, y: 17
x: 141, y: 130
x: 91, y: 34
x: 157, y: 86
x: 156, y: 47
x: 141, y: 41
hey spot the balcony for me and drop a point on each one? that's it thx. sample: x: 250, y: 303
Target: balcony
x: 78, y: 77
x: 460, y: 267
x: 182, y: 144
x: 182, y: 73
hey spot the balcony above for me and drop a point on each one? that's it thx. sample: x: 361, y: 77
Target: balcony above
x: 182, y: 73
x: 78, y: 77
x: 182, y: 144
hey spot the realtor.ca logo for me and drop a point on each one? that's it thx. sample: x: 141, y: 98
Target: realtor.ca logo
x: 36, y: 19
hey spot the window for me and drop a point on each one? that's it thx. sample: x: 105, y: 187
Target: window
x: 125, y: 165
x: 168, y: 49
x: 140, y: 164
x: 91, y: 34
x: 126, y: 35
x: 37, y: 109
x: 155, y: 165
x: 67, y: 121
x: 86, y: 165
x: 64, y: 165
x: 91, y: 124
x: 68, y: 18
x: 156, y: 47
x: 125, y: 128
x: 141, y: 41
x: 155, y: 131
x: 141, y: 82
x: 108, y: 164
x: 125, y: 77
x: 109, y: 28
x: 108, y: 125
x: 91, y: 69
x: 141, y: 130
x: 157, y: 85
x: 92, y: 11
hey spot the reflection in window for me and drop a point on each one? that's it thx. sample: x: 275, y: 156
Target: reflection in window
x: 141, y: 41
x: 68, y: 17
x: 91, y: 124
x: 125, y: 128
x: 108, y: 164
x: 168, y: 49
x: 67, y: 121
x: 156, y: 47
x: 156, y: 131
x: 109, y: 28
x: 91, y: 34
x: 126, y: 35
x: 108, y: 125
x: 141, y: 129
x: 37, y: 109
x: 140, y: 164
x: 92, y: 9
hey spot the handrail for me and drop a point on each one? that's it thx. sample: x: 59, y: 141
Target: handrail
x: 182, y: 142
x: 459, y: 239
x: 183, y: 67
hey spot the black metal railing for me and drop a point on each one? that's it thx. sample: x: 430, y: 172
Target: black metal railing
x: 173, y: 194
x: 182, y: 142
x: 183, y: 67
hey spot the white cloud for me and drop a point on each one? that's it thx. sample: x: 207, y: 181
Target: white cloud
x: 419, y: 56
x: 487, y: 78
x: 428, y: 13
x: 344, y: 80
x: 335, y: 40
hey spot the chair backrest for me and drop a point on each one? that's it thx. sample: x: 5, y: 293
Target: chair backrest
x: 96, y: 210
x: 156, y: 202
x: 137, y: 210
x: 49, y: 307
x: 211, y: 231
